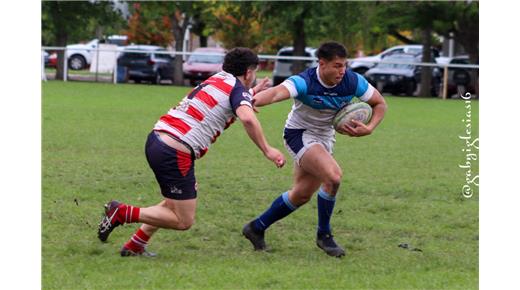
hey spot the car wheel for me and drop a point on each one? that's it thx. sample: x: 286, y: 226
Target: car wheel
x: 77, y: 62
x: 157, y: 80
x: 436, y: 87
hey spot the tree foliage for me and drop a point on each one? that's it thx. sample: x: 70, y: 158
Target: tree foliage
x: 66, y: 22
x: 266, y: 26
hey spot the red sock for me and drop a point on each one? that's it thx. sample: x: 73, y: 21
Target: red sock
x: 128, y: 213
x: 138, y: 241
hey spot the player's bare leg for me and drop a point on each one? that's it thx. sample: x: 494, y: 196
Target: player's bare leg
x: 170, y: 214
x: 320, y: 164
x: 136, y: 245
x: 173, y: 214
x: 304, y: 186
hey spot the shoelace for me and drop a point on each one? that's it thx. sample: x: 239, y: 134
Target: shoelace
x: 106, y: 223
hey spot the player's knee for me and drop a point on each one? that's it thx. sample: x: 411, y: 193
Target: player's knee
x: 332, y: 183
x: 185, y: 225
x: 334, y: 179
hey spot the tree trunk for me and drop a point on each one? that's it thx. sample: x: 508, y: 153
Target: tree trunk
x: 468, y: 38
x: 60, y: 68
x: 61, y: 38
x: 426, y: 71
x: 298, y: 44
x: 179, y: 27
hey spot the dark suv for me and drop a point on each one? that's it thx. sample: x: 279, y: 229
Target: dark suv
x: 402, y: 77
x: 146, y: 63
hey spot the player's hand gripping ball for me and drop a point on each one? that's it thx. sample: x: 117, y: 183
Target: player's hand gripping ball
x: 361, y: 112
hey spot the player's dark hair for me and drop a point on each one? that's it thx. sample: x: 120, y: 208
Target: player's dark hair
x: 330, y: 50
x: 238, y: 60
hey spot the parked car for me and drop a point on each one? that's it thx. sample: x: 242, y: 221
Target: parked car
x: 203, y: 63
x: 146, y: 63
x: 401, y: 78
x: 80, y: 55
x: 52, y: 60
x: 363, y: 64
x: 283, y: 67
x: 457, y: 76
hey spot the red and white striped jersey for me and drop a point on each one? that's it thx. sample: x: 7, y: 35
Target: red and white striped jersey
x: 206, y: 111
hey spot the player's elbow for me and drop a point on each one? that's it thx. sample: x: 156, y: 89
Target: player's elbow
x: 247, y: 121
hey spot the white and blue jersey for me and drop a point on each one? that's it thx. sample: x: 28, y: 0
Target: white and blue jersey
x: 316, y: 104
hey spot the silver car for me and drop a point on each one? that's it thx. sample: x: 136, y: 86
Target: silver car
x: 283, y: 67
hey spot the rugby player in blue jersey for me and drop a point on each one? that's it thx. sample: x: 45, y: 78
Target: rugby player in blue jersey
x: 309, y: 136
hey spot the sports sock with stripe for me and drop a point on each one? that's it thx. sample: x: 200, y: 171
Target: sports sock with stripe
x: 280, y: 208
x: 137, y: 242
x: 128, y: 213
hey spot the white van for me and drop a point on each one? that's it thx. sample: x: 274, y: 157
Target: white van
x: 80, y: 55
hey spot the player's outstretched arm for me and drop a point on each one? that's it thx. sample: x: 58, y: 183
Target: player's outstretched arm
x: 262, y: 85
x: 255, y: 132
x: 272, y: 95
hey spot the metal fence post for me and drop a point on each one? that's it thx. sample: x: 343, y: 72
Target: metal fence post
x: 97, y: 60
x: 115, y: 69
x: 445, y: 84
x: 44, y: 77
x: 65, y: 65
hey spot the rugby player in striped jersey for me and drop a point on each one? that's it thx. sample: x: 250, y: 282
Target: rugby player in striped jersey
x: 183, y: 135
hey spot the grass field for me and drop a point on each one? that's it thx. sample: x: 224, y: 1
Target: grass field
x: 401, y: 185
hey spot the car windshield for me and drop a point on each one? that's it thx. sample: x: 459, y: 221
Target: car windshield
x: 162, y: 55
x: 206, y: 58
x: 136, y: 55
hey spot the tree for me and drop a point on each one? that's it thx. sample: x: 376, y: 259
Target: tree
x: 421, y: 16
x: 236, y: 24
x: 464, y: 24
x: 292, y: 18
x: 73, y: 21
x: 145, y: 27
x: 178, y: 14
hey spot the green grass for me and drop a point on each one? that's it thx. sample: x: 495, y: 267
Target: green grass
x: 264, y: 73
x: 401, y: 185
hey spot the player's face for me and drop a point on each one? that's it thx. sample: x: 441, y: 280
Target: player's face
x: 333, y: 71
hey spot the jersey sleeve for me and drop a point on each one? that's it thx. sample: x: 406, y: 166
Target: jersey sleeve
x: 296, y: 86
x: 364, y: 89
x: 239, y: 97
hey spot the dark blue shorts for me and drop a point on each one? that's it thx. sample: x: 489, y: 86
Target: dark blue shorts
x: 173, y: 169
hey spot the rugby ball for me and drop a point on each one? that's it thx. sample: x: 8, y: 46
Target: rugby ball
x: 356, y: 111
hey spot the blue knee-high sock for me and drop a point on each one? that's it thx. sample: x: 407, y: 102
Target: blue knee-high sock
x: 325, y: 208
x: 280, y: 208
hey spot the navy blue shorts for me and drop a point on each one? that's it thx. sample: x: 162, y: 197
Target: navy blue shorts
x: 173, y: 169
